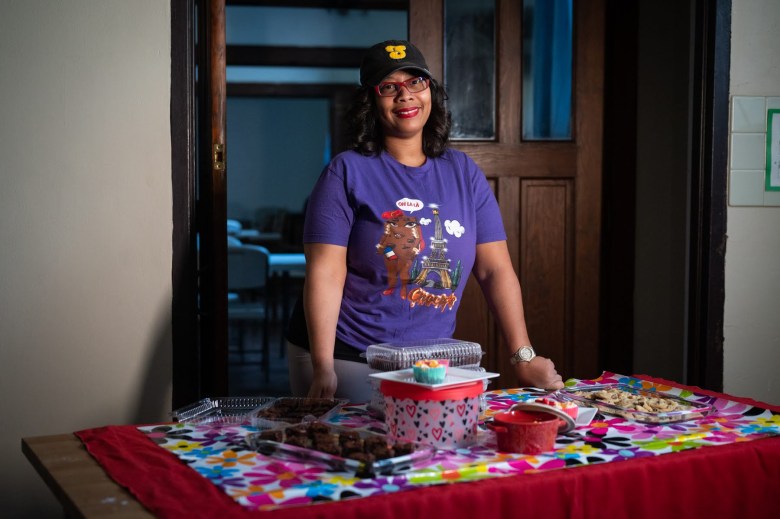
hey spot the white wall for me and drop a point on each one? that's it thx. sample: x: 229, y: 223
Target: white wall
x: 85, y: 225
x: 752, y: 308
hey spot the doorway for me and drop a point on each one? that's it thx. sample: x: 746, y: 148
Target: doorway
x: 706, y: 218
x: 548, y: 188
x: 666, y: 123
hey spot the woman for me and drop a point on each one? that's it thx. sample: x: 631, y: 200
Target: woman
x: 393, y: 228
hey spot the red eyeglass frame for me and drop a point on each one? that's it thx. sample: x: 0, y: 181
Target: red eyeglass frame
x: 405, y: 84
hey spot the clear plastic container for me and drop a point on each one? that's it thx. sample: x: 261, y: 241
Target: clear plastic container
x: 402, y: 355
x: 393, y: 356
x: 220, y: 410
x: 292, y: 410
x: 631, y: 404
x: 273, y: 442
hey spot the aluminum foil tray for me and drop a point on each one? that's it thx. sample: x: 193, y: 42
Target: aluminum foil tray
x: 639, y: 405
x: 299, y: 443
x: 220, y: 410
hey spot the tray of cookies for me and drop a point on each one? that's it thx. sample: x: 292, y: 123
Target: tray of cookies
x: 294, y: 410
x: 637, y: 404
x: 341, y: 449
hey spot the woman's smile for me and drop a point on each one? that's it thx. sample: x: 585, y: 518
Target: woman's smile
x: 407, y: 112
x: 404, y: 115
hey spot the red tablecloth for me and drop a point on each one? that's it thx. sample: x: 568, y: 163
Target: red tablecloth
x: 736, y: 480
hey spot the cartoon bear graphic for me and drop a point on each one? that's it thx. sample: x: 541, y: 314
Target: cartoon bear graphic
x: 400, y: 244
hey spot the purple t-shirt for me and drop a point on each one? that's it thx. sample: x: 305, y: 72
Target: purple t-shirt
x: 411, y: 236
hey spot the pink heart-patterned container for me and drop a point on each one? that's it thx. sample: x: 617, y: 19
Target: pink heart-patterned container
x: 445, y: 418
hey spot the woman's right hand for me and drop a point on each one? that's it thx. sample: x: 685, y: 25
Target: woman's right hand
x: 323, y: 384
x: 540, y: 372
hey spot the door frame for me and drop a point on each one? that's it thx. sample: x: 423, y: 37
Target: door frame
x: 184, y: 155
x: 708, y: 203
x: 708, y: 200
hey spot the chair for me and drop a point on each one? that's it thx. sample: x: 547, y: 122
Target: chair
x: 248, y: 280
x: 233, y: 227
x: 232, y: 241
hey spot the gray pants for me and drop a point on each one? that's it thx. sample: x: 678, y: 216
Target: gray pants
x: 354, y: 384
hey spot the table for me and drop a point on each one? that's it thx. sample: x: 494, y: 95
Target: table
x: 79, y: 483
x: 286, y: 263
x: 255, y: 237
x: 735, y: 480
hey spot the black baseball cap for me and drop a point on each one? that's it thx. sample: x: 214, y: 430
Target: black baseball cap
x: 387, y: 57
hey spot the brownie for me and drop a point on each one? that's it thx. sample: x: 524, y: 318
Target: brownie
x: 326, y: 443
x: 380, y: 452
x: 316, y: 428
x: 346, y: 436
x: 276, y: 435
x: 351, y: 446
x: 403, y: 448
x: 299, y: 441
x: 373, y: 442
x: 365, y: 457
x: 296, y: 430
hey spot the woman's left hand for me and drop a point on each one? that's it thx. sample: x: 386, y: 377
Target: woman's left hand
x: 540, y: 372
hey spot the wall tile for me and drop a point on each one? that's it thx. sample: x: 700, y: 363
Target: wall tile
x: 748, y: 150
x: 747, y: 154
x: 772, y: 198
x: 746, y: 187
x: 748, y: 114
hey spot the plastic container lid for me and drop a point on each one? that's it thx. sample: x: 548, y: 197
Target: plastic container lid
x: 232, y: 409
x: 292, y: 410
x: 402, y: 355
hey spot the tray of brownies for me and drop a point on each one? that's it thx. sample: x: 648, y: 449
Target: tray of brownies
x: 292, y: 410
x: 340, y: 449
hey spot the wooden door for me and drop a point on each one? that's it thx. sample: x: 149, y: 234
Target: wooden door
x: 549, y: 194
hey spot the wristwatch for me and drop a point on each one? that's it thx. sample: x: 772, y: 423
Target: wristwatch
x: 523, y: 354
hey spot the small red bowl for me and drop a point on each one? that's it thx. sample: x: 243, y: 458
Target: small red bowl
x: 526, y: 432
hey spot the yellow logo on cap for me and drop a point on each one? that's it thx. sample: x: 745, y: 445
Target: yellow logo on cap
x: 396, y: 51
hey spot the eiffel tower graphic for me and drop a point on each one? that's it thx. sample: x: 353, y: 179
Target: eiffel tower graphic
x: 437, y: 261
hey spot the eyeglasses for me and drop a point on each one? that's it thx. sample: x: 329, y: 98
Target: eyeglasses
x: 391, y: 88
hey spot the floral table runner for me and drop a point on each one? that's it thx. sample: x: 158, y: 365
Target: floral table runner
x: 255, y: 481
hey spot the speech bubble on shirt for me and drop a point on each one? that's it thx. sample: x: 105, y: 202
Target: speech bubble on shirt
x: 409, y: 204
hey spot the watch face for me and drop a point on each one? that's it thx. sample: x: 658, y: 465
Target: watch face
x: 526, y: 354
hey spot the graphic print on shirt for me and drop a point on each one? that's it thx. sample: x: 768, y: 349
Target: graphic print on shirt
x: 401, y: 245
x: 401, y: 242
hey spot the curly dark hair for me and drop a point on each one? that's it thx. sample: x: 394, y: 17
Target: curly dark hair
x: 365, y: 133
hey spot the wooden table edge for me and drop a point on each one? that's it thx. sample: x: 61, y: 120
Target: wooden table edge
x: 79, y: 483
